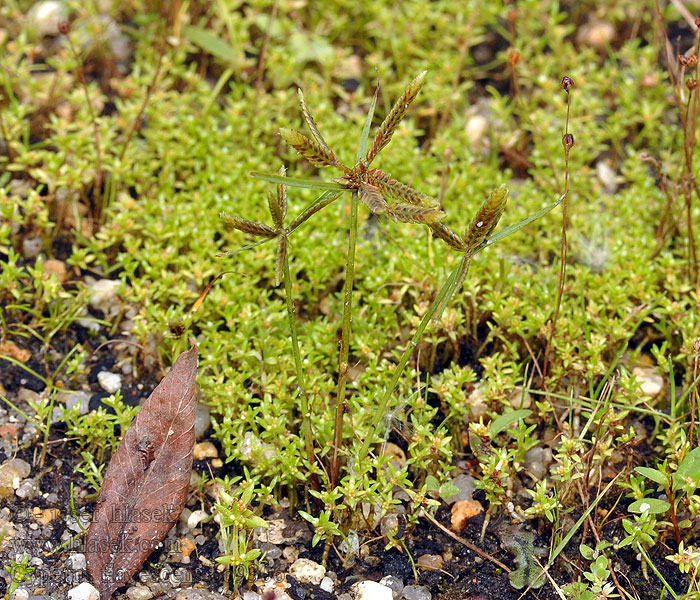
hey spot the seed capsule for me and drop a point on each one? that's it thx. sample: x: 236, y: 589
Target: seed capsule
x: 568, y: 141
x: 567, y: 83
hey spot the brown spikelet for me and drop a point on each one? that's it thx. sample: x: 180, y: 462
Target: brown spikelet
x: 372, y: 197
x: 486, y: 219
x: 281, y: 257
x: 312, y: 124
x: 391, y: 188
x: 246, y: 226
x: 312, y: 151
x: 389, y: 125
x: 411, y: 213
x: 448, y: 236
x: 278, y: 204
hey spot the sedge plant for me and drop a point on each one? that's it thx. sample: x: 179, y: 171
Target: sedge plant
x: 349, y: 483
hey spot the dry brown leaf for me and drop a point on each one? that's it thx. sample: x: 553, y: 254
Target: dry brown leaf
x: 146, y: 483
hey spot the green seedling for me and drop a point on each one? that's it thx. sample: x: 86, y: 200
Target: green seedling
x: 19, y: 572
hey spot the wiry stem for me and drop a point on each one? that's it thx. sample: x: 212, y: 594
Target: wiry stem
x: 563, y: 248
x: 301, y: 381
x: 344, y: 341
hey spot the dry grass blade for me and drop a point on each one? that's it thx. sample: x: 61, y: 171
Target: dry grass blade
x: 448, y: 236
x: 410, y: 213
x: 372, y: 197
x: 312, y: 151
x: 311, y: 123
x: 389, y: 125
x: 392, y: 188
x: 251, y: 227
x: 486, y: 218
x: 281, y: 257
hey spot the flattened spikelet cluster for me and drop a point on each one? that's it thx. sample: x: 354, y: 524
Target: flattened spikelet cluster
x: 315, y: 153
x: 389, y: 125
x: 251, y: 227
x: 391, y: 188
x: 411, y: 213
x: 486, y: 219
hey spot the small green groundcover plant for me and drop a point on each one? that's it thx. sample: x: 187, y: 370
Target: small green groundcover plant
x: 353, y: 485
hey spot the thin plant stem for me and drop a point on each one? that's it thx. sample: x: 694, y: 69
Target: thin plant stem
x: 93, y: 118
x: 301, y: 381
x: 656, y: 571
x: 563, y: 248
x: 344, y: 341
x: 443, y: 296
x: 142, y: 109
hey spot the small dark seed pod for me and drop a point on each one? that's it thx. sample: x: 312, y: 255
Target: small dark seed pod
x: 567, y: 83
x: 513, y: 58
x: 691, y: 84
x: 568, y: 141
x: 64, y: 27
x: 697, y: 21
x: 692, y: 61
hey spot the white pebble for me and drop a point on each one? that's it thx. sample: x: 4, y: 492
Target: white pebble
x: 84, y: 591
x: 103, y: 293
x: 44, y: 17
x: 139, y: 592
x: 109, y: 382
x: 416, y: 592
x: 20, y: 594
x: 370, y: 590
x: 307, y: 571
x: 326, y: 584
x: 77, y: 562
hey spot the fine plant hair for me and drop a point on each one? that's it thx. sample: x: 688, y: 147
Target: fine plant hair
x: 385, y: 197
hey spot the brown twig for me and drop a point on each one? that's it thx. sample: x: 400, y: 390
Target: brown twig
x: 266, y: 43
x: 461, y: 540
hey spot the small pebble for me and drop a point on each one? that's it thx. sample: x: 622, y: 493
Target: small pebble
x: 44, y: 17
x: 371, y: 590
x: 416, y: 592
x: 396, y: 455
x: 251, y: 596
x: 196, y: 518
x: 44, y: 516
x: 462, y: 511
x: 11, y: 474
x: 57, y: 268
x: 307, y: 571
x: 71, y: 398
x: 84, y: 591
x: 27, y: 490
x: 394, y: 583
x: 650, y: 383
x: 205, y: 450
x: 20, y: 594
x: 202, y: 420
x: 103, y: 294
x: 197, y: 594
x: 466, y: 487
x: 139, y: 592
x: 109, y: 382
x: 327, y: 584
x: 31, y: 247
x: 537, y: 460
x: 77, y: 562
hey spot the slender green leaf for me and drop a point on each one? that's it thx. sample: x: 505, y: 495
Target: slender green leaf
x: 506, y: 231
x: 311, y: 184
x: 502, y: 422
x: 212, y: 44
x: 368, y: 124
